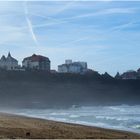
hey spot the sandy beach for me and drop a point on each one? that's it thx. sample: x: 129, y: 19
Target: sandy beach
x: 14, y: 126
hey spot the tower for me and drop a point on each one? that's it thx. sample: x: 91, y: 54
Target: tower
x: 9, y: 54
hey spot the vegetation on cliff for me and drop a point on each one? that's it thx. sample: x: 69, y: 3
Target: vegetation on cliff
x: 43, y: 90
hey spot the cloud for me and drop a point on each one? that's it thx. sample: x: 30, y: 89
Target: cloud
x: 30, y: 24
x: 111, y: 11
x: 48, y: 24
x: 31, y: 31
x: 67, y: 6
x: 122, y: 26
x: 127, y: 25
x: 105, y: 12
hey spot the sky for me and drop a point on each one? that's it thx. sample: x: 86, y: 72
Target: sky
x: 105, y: 34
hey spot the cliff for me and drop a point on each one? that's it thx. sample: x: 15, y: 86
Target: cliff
x: 43, y: 90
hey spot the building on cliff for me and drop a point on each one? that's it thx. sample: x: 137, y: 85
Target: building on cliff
x: 138, y: 71
x: 36, y: 62
x: 129, y: 75
x: 8, y: 63
x: 73, y: 67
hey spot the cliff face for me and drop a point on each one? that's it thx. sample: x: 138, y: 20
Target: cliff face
x: 42, y: 90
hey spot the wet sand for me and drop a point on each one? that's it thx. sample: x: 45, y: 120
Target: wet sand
x: 14, y: 126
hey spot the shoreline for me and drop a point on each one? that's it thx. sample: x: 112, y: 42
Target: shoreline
x: 17, y: 126
x: 82, y: 124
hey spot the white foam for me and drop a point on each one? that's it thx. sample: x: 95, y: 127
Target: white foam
x: 117, y: 117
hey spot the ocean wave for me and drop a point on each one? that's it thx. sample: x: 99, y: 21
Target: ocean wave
x: 136, y: 126
x: 120, y: 117
x: 112, y: 118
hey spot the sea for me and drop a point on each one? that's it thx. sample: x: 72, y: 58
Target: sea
x: 121, y: 117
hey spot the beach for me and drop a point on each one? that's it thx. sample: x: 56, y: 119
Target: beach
x: 15, y: 126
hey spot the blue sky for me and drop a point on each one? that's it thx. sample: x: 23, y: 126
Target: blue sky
x: 106, y: 33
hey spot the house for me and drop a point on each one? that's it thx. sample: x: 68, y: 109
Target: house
x: 36, y: 62
x: 72, y: 67
x: 8, y: 63
x: 138, y: 71
x: 129, y: 75
x: 118, y: 76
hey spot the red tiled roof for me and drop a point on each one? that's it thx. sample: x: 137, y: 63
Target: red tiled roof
x: 35, y: 57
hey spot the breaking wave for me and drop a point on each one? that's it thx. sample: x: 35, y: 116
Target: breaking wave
x: 122, y: 117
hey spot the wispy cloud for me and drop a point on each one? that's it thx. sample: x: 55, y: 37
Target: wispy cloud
x: 127, y: 25
x: 110, y: 11
x: 105, y: 12
x: 74, y: 41
x: 67, y: 6
x: 122, y: 26
x: 31, y: 30
x: 30, y: 24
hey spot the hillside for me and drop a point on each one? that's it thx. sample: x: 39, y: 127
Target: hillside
x: 44, y: 90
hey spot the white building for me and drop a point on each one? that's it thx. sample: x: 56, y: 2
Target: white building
x: 68, y: 61
x: 8, y: 63
x: 72, y: 67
